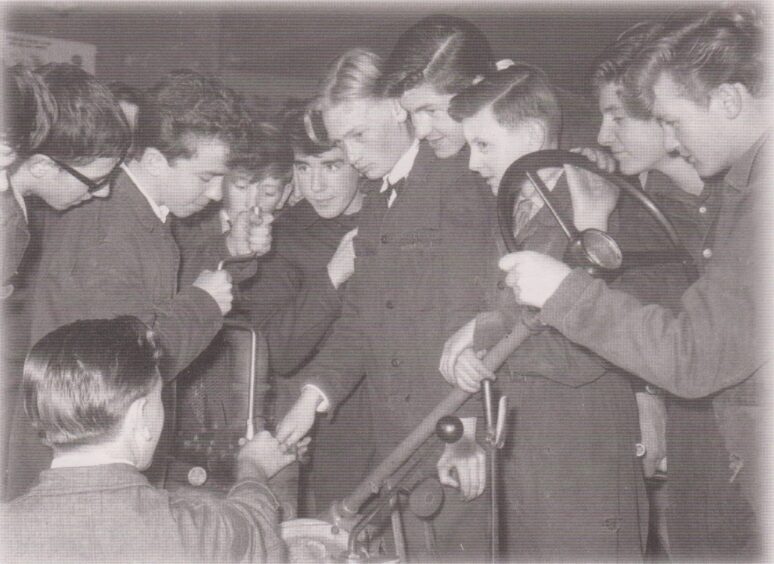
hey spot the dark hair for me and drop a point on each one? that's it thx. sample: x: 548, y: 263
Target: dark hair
x: 515, y: 94
x: 293, y: 118
x: 446, y: 51
x: 267, y: 153
x: 616, y: 64
x: 89, y: 122
x: 122, y: 92
x: 724, y: 46
x: 28, y: 110
x: 80, y: 379
x: 185, y: 106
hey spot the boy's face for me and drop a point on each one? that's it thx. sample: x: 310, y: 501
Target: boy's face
x: 328, y: 182
x: 697, y: 132
x: 494, y: 147
x: 637, y: 144
x: 153, y: 419
x: 429, y: 113
x: 60, y: 189
x: 241, y: 193
x: 188, y: 185
x: 371, y: 132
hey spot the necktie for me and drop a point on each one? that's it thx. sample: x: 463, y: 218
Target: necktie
x: 522, y: 213
x: 394, y: 190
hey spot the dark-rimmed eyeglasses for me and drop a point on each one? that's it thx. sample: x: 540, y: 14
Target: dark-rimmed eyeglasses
x: 91, y: 185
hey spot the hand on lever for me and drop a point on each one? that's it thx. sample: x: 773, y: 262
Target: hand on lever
x: 467, y: 460
x: 299, y: 419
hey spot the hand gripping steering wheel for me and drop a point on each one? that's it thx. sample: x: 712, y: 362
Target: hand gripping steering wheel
x: 593, y: 250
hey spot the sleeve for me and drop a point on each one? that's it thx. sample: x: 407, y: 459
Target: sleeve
x: 294, y: 311
x: 243, y: 527
x: 340, y: 364
x: 709, y: 345
x: 107, y: 281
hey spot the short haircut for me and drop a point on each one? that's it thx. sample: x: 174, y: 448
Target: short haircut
x: 619, y: 61
x: 701, y: 53
x: 266, y: 154
x: 186, y: 106
x: 28, y: 110
x: 89, y: 122
x: 80, y: 379
x: 293, y: 118
x: 515, y: 94
x: 352, y: 76
x: 445, y: 51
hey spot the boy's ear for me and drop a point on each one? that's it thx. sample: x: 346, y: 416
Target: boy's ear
x: 400, y: 114
x: 536, y: 133
x: 154, y: 161
x: 41, y: 166
x: 135, y: 418
x: 728, y: 99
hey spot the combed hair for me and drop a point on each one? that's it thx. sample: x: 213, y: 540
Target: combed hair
x: 185, y: 106
x: 266, y: 154
x: 89, y: 122
x: 125, y: 93
x: 294, y: 118
x: 515, y: 94
x: 619, y: 60
x: 352, y: 76
x: 80, y: 379
x: 445, y: 51
x: 724, y: 46
x: 28, y: 110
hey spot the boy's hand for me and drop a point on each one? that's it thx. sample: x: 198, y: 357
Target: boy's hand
x: 603, y: 159
x: 470, y: 371
x: 262, y: 457
x: 468, y: 460
x: 342, y: 264
x: 218, y: 285
x: 593, y: 198
x: 533, y: 276
x: 653, y: 417
x: 453, y: 347
x: 250, y: 233
x: 299, y: 420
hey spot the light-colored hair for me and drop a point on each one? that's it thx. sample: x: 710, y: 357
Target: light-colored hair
x: 352, y: 76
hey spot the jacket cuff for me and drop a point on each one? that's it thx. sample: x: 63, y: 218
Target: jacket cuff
x: 491, y: 327
x: 569, y: 293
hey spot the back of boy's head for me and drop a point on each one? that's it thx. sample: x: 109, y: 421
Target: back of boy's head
x: 447, y: 52
x: 123, y: 92
x: 185, y: 107
x: 80, y: 379
x: 28, y: 110
x: 294, y: 118
x: 266, y: 154
x: 85, y: 121
x: 620, y: 63
x: 515, y: 94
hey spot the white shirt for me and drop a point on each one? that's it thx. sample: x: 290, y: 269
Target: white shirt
x: 400, y: 170
x: 5, y: 185
x: 161, y: 211
x: 70, y: 460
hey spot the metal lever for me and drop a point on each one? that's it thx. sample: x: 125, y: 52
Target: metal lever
x: 495, y: 438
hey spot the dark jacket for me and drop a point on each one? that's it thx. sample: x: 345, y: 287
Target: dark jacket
x: 15, y: 238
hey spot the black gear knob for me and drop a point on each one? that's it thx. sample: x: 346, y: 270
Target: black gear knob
x: 449, y: 429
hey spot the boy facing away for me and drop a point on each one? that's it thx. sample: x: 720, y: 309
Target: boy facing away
x: 93, y: 390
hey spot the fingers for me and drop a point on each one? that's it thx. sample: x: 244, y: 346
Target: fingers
x: 512, y: 260
x: 445, y: 476
x: 470, y: 371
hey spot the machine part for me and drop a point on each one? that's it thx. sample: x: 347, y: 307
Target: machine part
x: 596, y: 251
x: 449, y: 429
x: 426, y: 499
x: 250, y: 425
x: 397, y: 528
x: 311, y: 540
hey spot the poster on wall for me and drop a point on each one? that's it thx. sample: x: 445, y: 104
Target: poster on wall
x: 35, y: 50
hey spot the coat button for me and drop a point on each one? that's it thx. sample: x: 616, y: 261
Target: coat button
x: 396, y: 362
x: 501, y: 285
x: 389, y: 304
x: 702, y: 209
x: 612, y: 524
x: 707, y: 253
x: 384, y: 239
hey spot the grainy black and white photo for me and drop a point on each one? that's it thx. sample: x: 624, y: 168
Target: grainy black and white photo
x: 385, y: 281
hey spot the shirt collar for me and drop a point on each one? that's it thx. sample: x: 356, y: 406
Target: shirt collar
x: 86, y: 459
x: 225, y: 221
x: 402, y: 167
x: 742, y: 173
x: 161, y: 211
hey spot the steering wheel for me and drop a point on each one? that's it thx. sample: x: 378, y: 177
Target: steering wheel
x: 593, y: 250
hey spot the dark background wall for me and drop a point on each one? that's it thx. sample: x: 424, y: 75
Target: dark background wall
x: 270, y: 50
